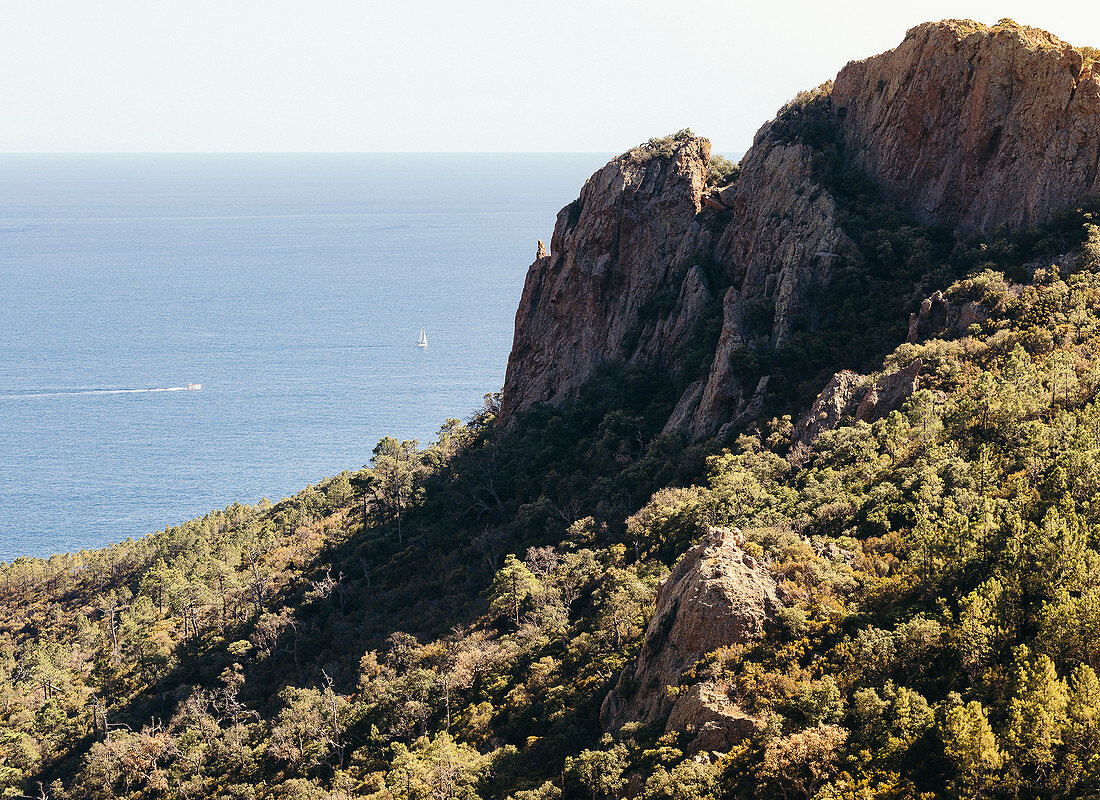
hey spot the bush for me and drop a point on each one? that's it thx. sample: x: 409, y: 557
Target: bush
x: 721, y: 171
x: 987, y: 287
x: 661, y: 146
x: 1090, y: 250
x: 805, y: 99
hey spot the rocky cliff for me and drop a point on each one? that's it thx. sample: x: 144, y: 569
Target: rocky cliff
x: 975, y: 126
x: 962, y: 125
x: 613, y: 250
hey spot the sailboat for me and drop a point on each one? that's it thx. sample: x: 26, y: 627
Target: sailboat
x: 423, y: 340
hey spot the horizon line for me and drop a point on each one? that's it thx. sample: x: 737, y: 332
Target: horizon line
x: 291, y: 152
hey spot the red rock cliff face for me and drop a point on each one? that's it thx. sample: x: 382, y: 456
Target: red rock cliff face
x: 974, y: 126
x: 639, y: 229
x: 613, y: 249
x: 964, y: 125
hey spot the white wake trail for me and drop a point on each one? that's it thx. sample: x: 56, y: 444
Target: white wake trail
x: 92, y: 392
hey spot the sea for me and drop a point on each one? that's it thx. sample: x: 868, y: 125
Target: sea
x: 291, y: 287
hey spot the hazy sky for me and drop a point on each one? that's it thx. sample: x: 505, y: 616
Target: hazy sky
x: 421, y: 75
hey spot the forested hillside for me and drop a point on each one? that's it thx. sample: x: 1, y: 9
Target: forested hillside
x: 906, y: 593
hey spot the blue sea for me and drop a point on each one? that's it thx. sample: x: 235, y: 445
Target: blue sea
x: 292, y: 287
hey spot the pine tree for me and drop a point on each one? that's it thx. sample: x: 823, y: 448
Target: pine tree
x: 969, y: 743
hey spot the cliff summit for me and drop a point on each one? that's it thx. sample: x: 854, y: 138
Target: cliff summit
x: 975, y: 126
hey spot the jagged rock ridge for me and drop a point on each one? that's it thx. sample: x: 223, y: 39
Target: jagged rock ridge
x: 963, y: 124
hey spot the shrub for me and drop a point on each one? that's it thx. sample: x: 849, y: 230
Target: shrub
x: 661, y: 146
x: 1090, y: 250
x: 721, y: 171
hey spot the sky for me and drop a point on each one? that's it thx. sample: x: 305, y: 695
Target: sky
x: 437, y: 75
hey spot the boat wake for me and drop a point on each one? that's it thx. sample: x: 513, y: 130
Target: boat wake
x: 83, y: 392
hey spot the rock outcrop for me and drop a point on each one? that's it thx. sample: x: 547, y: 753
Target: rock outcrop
x: 964, y: 125
x: 716, y: 595
x: 939, y: 316
x: 708, y: 711
x: 613, y: 250
x: 851, y: 397
x: 836, y: 404
x: 639, y: 230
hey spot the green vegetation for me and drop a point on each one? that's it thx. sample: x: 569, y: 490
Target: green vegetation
x: 950, y: 627
x: 278, y: 649
x: 721, y: 171
x: 661, y: 146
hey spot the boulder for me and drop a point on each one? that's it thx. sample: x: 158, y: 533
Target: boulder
x: 716, y: 596
x: 939, y: 317
x: 714, y: 720
x: 888, y: 393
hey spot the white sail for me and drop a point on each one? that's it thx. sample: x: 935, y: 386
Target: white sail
x: 423, y: 340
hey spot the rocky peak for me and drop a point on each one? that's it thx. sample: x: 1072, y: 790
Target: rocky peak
x: 975, y: 126
x: 613, y: 249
